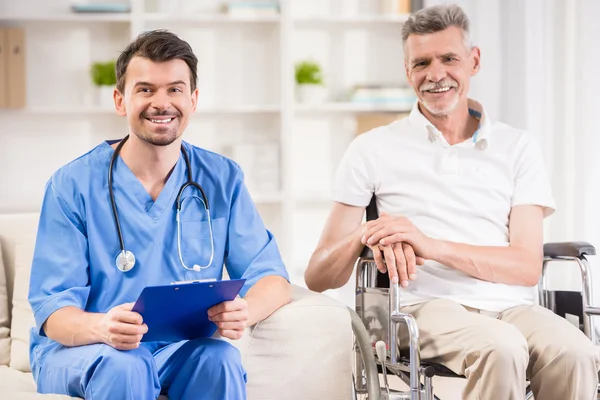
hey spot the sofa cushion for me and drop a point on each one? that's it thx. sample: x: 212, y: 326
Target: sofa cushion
x: 17, y: 381
x: 4, y: 316
x: 16, y: 385
x: 13, y: 228
x: 22, y: 315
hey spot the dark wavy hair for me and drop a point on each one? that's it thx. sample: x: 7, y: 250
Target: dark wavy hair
x: 158, y: 46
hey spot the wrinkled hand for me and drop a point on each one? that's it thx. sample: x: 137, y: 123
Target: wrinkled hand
x: 402, y: 257
x: 122, y: 328
x: 388, y: 230
x: 231, y: 318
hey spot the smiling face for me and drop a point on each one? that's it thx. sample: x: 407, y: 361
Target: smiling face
x: 157, y: 99
x: 439, y: 67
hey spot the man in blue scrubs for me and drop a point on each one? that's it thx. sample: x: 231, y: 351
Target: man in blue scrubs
x: 87, y: 339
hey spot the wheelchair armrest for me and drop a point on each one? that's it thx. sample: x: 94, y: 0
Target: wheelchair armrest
x: 568, y: 249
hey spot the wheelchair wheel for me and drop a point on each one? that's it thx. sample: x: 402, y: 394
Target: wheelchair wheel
x: 365, y: 376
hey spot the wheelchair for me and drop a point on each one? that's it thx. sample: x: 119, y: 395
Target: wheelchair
x: 377, y: 318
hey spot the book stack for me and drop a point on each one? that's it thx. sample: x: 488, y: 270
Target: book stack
x: 392, y: 95
x: 368, y: 121
x: 247, y: 8
x: 396, y: 6
x: 12, y: 68
x: 98, y: 7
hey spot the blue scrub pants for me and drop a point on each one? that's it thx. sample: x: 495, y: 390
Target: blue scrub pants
x: 197, y: 369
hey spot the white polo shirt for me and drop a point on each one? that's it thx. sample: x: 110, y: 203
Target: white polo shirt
x: 461, y: 193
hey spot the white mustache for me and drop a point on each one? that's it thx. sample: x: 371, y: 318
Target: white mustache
x: 439, y: 85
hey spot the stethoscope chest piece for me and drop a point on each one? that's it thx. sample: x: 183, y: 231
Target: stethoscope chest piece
x: 125, y: 261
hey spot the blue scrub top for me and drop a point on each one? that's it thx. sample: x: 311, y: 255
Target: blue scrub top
x: 77, y: 242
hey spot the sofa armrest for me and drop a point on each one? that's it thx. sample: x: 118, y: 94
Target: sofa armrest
x: 568, y: 249
x: 302, y: 351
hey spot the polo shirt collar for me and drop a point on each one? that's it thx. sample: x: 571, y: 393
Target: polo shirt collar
x: 481, y: 137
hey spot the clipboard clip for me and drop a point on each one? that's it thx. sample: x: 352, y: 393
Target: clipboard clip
x: 193, y: 281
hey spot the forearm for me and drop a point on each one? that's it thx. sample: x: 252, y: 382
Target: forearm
x: 71, y: 326
x: 509, y: 265
x: 266, y: 296
x: 330, y: 268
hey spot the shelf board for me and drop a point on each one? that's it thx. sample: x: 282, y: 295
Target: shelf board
x: 62, y: 110
x: 69, y: 17
x: 91, y: 110
x: 346, y: 107
x: 358, y: 19
x: 242, y: 109
x: 334, y: 107
x: 147, y: 17
x: 209, y: 18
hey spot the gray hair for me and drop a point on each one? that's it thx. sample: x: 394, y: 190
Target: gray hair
x: 435, y: 19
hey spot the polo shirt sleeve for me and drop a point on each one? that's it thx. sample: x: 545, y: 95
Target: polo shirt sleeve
x: 59, y: 272
x: 356, y: 177
x: 252, y: 252
x: 531, y: 182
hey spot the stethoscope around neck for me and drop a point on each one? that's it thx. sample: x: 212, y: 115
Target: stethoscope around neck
x: 125, y: 260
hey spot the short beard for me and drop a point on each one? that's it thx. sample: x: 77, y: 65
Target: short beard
x: 160, y: 140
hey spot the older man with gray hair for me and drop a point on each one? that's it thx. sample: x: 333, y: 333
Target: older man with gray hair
x: 463, y: 200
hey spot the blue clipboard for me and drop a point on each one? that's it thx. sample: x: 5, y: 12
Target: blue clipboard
x: 180, y: 311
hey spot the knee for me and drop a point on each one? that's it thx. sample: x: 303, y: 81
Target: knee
x: 217, y: 352
x: 124, y: 365
x: 212, y: 367
x: 506, y: 350
x: 581, y: 355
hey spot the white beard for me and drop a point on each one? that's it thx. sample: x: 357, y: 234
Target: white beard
x: 441, y: 111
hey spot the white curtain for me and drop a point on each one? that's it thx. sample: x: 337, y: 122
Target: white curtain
x: 539, y: 72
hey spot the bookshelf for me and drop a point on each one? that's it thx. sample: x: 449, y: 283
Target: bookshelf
x: 358, y: 19
x: 247, y: 95
x: 349, y: 107
x: 193, y: 19
x: 65, y: 17
x: 87, y: 110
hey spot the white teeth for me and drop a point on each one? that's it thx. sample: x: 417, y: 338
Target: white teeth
x: 161, y: 121
x: 440, y: 90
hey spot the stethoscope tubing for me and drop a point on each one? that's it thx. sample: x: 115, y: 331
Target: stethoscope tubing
x: 125, y: 260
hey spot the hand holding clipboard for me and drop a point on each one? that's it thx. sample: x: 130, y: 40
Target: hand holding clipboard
x: 180, y: 311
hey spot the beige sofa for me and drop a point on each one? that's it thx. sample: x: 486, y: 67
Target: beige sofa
x: 303, y: 351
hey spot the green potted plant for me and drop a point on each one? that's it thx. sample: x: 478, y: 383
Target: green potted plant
x: 309, y: 82
x: 105, y: 79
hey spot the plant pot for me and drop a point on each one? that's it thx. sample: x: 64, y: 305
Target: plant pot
x: 311, y: 94
x: 105, y: 96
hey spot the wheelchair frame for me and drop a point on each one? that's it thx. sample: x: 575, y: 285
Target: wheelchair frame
x: 377, y: 318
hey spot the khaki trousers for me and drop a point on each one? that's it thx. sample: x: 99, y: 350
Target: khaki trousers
x: 498, y: 352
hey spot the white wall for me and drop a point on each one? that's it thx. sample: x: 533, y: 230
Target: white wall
x: 539, y: 62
